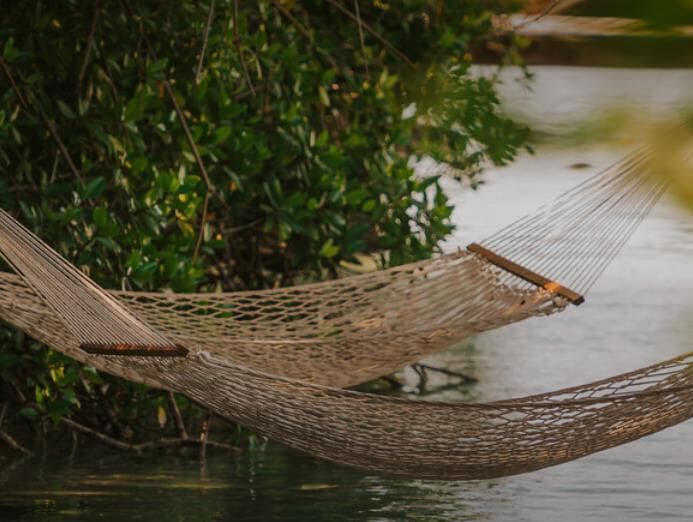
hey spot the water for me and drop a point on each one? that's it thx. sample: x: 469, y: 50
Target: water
x: 641, y: 311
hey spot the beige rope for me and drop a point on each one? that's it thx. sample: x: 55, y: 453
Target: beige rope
x: 246, y: 347
x: 419, y: 439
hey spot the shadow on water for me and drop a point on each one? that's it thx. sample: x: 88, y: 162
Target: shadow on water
x: 274, y: 484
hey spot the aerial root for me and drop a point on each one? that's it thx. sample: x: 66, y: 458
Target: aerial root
x: 421, y: 370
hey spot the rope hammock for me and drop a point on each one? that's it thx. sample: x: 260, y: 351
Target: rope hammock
x: 564, y: 247
x: 348, y: 331
x: 425, y: 440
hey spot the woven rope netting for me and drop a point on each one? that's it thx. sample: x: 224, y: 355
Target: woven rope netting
x: 344, y: 332
x: 235, y: 341
x: 339, y: 334
x: 573, y: 239
x: 420, y: 439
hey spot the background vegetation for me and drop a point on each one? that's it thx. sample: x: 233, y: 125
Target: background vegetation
x: 209, y: 145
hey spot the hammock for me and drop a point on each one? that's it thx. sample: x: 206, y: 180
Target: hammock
x: 344, y: 332
x: 424, y: 440
x: 427, y: 440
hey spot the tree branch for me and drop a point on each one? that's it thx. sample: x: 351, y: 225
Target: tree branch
x: 49, y: 124
x: 372, y: 31
x: 177, y: 417
x: 203, y: 223
x: 298, y: 25
x: 90, y: 43
x: 102, y: 437
x: 144, y: 446
x: 188, y: 135
x: 239, y: 50
x: 363, y: 45
x: 204, y: 42
x: 305, y: 32
x: 204, y: 435
x: 7, y: 439
x: 466, y: 379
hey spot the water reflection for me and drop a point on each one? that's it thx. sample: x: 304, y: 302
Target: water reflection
x: 271, y: 485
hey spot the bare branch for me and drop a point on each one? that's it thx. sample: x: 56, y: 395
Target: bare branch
x: 203, y: 224
x: 186, y: 130
x: 239, y: 50
x: 305, y: 32
x: 200, y: 166
x: 538, y: 16
x: 144, y: 446
x: 15, y: 87
x: 466, y: 379
x: 363, y: 45
x: 188, y: 134
x: 102, y: 437
x: 204, y: 435
x: 205, y: 39
x: 372, y: 31
x: 46, y: 120
x: 180, y: 443
x: 293, y: 20
x: 177, y: 417
x: 7, y: 439
x: 90, y: 44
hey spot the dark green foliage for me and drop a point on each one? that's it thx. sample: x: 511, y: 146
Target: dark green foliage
x: 297, y: 113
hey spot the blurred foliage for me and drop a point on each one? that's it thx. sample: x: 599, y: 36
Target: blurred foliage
x: 306, y: 115
x: 673, y: 158
x: 660, y: 36
x: 659, y: 15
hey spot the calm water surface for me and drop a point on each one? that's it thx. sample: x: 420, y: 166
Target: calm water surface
x: 641, y: 311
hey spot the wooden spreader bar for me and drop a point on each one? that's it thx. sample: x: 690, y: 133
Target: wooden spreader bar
x: 172, y: 350
x: 526, y: 274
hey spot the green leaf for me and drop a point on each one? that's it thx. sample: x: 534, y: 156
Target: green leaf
x: 368, y: 206
x: 100, y: 217
x: 10, y: 52
x: 65, y: 109
x: 324, y: 98
x: 94, y: 188
x: 222, y: 134
x: 108, y: 243
x: 133, y: 109
x: 70, y: 396
x: 28, y: 412
x: 146, y: 270
x: 355, y: 197
x: 157, y: 66
x: 329, y: 249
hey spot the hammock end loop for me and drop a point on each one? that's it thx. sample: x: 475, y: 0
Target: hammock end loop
x: 526, y: 274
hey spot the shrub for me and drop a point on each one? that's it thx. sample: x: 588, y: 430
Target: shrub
x: 305, y: 116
